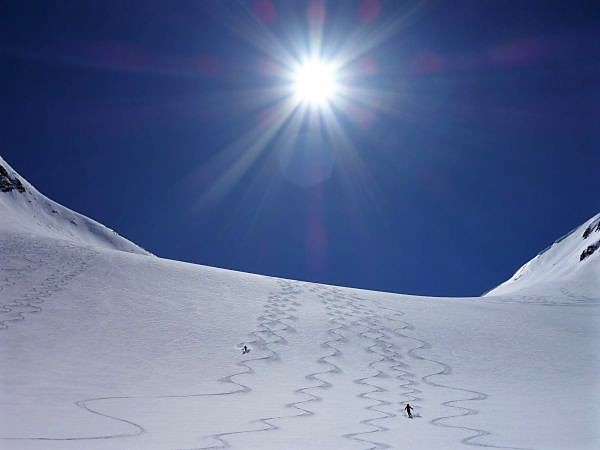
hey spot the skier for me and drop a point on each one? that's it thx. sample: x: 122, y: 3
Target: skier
x: 245, y: 350
x: 408, y: 410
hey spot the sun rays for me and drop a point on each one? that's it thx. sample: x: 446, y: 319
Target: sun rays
x: 314, y: 78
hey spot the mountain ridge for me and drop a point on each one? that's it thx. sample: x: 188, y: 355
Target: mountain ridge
x: 111, y: 350
x: 570, y: 265
x: 24, y: 208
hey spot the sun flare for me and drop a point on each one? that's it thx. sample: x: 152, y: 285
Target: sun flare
x: 314, y: 82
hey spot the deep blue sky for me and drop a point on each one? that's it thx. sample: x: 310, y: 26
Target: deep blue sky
x: 482, y: 148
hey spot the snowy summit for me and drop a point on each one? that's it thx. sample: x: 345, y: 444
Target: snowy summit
x: 104, y: 346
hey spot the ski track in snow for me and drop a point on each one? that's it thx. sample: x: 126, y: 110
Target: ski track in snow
x: 576, y: 300
x: 388, y: 354
x: 273, y: 314
x: 341, y: 308
x: 580, y: 300
x: 13, y: 272
x: 315, y: 376
x: 278, y: 310
x: 373, y: 387
x: 447, y: 370
x: 30, y: 302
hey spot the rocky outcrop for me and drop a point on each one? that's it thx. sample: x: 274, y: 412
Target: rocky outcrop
x: 8, y: 183
x: 594, y: 226
x: 589, y: 250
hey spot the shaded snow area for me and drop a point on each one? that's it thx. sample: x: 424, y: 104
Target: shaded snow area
x: 106, y: 349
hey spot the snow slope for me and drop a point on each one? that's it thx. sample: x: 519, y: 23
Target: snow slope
x: 24, y: 209
x: 570, y: 267
x: 104, y: 349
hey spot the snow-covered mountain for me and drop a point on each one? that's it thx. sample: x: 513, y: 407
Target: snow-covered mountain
x: 104, y: 349
x: 569, y: 267
x: 24, y: 209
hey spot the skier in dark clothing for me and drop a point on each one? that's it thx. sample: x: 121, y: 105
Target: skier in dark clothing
x: 408, y: 410
x: 245, y: 350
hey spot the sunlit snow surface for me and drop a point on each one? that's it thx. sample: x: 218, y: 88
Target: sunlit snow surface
x: 32, y: 212
x: 559, y: 270
x: 104, y: 349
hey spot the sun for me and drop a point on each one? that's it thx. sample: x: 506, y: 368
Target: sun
x: 315, y: 83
